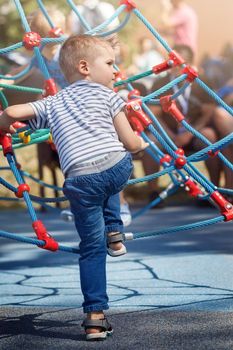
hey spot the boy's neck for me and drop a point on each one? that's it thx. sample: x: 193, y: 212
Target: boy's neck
x: 79, y: 77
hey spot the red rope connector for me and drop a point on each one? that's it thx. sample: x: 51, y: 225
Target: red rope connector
x: 31, y: 40
x: 181, y: 160
x: 50, y: 88
x: 192, y: 74
x: 212, y: 154
x: 174, y: 59
x: 226, y: 207
x: 137, y: 118
x: 165, y: 159
x: 55, y: 32
x: 132, y: 93
x: 179, y: 152
x: 22, y: 188
x: 169, y: 106
x: 130, y: 5
x: 41, y: 232
x: 6, y: 143
x: 192, y: 188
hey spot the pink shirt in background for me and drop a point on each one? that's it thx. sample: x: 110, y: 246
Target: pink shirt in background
x: 185, y: 22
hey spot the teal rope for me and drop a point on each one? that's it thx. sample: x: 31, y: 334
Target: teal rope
x: 48, y: 200
x: 11, y: 48
x: 152, y: 30
x: 196, y: 225
x: 135, y: 77
x: 45, y: 13
x: 165, y: 88
x: 215, y: 96
x: 118, y: 28
x: 37, y: 242
x: 3, y: 100
x: 103, y: 25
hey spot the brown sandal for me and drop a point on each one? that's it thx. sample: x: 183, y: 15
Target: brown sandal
x: 106, y: 329
x: 115, y: 238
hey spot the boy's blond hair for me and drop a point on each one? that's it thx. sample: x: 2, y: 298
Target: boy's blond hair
x: 82, y: 47
x: 39, y: 23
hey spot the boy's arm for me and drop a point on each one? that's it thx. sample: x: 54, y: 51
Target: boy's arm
x: 15, y: 113
x: 130, y: 140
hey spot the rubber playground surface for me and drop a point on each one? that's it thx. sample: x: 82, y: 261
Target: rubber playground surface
x: 169, y: 292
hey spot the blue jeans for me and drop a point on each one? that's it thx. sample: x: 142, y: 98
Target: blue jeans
x: 94, y: 201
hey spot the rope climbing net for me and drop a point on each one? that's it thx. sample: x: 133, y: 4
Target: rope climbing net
x: 180, y: 168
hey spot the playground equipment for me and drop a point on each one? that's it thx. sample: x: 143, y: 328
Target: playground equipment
x: 180, y: 168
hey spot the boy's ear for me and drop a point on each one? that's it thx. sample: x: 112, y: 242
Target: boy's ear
x: 83, y: 67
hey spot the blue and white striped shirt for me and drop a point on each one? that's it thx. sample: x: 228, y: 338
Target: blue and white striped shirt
x: 80, y: 118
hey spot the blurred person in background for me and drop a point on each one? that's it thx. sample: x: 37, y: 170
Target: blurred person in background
x: 94, y: 12
x: 200, y: 111
x: 147, y: 57
x: 180, y: 22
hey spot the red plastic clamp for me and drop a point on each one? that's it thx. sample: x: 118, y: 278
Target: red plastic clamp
x: 132, y: 93
x: 136, y: 125
x: 55, y: 32
x: 130, y: 5
x: 169, y: 106
x: 50, y: 88
x: 120, y: 76
x: 41, y: 232
x: 226, y: 207
x: 22, y: 188
x: 165, y: 159
x: 174, y: 59
x: 6, y: 143
x: 192, y: 188
x: 192, y: 74
x: 31, y: 40
x: 137, y: 118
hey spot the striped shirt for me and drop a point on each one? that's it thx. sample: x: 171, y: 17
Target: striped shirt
x: 80, y: 118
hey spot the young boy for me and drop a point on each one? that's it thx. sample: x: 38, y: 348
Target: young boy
x: 91, y: 134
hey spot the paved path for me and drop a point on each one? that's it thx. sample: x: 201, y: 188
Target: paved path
x: 170, y: 292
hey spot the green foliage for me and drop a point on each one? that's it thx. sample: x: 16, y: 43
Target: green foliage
x: 11, y: 28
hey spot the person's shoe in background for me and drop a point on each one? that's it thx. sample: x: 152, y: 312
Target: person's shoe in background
x: 125, y: 213
x: 66, y: 215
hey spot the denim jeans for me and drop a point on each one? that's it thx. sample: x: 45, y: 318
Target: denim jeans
x: 94, y: 201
